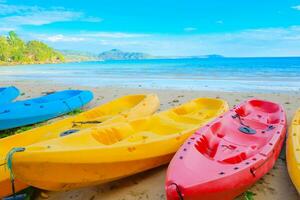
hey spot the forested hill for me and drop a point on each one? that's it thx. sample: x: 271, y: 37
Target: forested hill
x: 13, y: 50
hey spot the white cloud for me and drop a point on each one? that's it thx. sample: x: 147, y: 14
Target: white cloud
x: 219, y: 22
x: 103, y: 37
x: 113, y: 35
x: 190, y: 29
x: 6, y: 9
x: 14, y: 16
x: 253, y: 42
x: 41, y: 18
x: 60, y: 37
x: 296, y: 7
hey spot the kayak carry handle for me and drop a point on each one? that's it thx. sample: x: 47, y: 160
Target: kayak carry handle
x: 255, y: 168
x: 173, y: 192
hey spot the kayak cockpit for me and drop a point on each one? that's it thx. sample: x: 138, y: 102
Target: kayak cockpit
x: 249, y: 131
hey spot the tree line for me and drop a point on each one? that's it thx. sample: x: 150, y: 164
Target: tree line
x: 14, y: 50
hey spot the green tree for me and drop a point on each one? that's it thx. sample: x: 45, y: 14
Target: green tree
x: 4, y: 49
x: 17, y: 47
x: 14, y: 49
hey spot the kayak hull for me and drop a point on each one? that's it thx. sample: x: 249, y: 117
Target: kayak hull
x: 225, y: 157
x: 292, y: 151
x: 113, y: 151
x: 8, y: 94
x: 89, y: 172
x: 40, y: 109
x: 120, y: 109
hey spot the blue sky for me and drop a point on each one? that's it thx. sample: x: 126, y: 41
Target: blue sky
x: 160, y: 27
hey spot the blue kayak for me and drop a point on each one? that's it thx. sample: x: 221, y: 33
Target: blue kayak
x: 7, y: 94
x: 43, y: 108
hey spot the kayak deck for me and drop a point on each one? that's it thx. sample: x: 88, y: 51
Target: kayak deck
x: 120, y: 109
x: 293, y: 151
x: 225, y: 157
x: 113, y: 151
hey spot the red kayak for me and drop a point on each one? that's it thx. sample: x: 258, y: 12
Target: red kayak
x: 225, y: 157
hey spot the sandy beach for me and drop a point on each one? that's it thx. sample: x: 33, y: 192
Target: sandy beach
x: 276, y: 185
x: 237, y: 51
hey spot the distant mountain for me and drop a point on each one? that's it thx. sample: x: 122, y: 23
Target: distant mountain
x: 212, y: 56
x: 78, y: 56
x: 116, y: 54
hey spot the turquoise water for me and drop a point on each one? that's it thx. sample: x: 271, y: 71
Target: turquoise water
x: 226, y: 74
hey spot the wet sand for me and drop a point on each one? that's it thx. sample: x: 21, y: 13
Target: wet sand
x: 276, y: 185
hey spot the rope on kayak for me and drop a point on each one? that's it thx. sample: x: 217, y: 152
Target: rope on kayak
x: 9, y: 166
x: 81, y: 101
x: 3, y: 162
x: 78, y: 123
x: 240, y: 119
x: 87, y: 122
x: 69, y: 107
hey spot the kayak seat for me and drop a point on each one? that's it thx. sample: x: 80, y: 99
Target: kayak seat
x: 208, y: 144
x: 165, y: 126
x: 219, y: 147
x: 242, y: 111
x: 239, y: 154
x: 216, y: 148
x: 193, y: 118
x: 268, y: 111
x: 273, y: 119
x: 264, y: 106
x: 112, y: 134
x: 219, y: 141
x: 127, y: 131
x: 234, y: 159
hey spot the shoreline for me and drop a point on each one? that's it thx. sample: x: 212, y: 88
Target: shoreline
x: 22, y: 64
x: 10, y: 64
x: 275, y: 185
x: 142, y: 86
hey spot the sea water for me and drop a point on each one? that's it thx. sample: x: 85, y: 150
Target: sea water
x: 225, y: 74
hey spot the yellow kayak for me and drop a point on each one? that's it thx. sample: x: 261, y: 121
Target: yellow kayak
x: 121, y: 109
x: 105, y: 153
x: 293, y: 151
